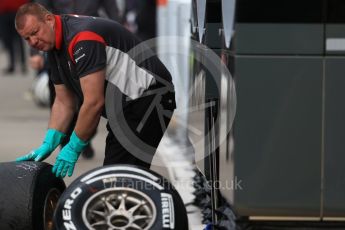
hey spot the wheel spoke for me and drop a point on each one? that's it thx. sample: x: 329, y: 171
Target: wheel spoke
x: 135, y: 226
x: 122, y: 203
x: 99, y: 213
x: 140, y: 217
x: 99, y: 223
x: 134, y: 208
x: 109, y: 206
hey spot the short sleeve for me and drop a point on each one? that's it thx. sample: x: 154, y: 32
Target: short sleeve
x: 89, y: 56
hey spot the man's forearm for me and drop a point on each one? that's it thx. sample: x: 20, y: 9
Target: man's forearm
x: 90, y: 112
x: 61, y: 116
x: 88, y: 119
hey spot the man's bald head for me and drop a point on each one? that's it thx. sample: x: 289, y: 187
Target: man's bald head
x: 33, y: 9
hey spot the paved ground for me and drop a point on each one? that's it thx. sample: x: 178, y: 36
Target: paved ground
x: 23, y: 125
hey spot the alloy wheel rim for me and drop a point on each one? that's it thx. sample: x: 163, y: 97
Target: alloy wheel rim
x: 119, y: 209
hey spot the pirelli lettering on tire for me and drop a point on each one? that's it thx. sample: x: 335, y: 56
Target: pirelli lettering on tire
x: 66, y: 211
x: 168, y: 218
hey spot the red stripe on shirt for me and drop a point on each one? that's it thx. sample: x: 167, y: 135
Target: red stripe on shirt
x: 83, y: 36
x: 58, y: 32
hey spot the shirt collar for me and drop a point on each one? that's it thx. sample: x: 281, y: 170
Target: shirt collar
x: 58, y: 32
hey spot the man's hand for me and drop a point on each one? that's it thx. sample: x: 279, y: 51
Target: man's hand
x: 36, y: 61
x: 52, y: 139
x: 67, y: 158
x: 38, y: 154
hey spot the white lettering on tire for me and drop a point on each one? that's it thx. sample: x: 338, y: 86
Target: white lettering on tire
x: 168, y: 216
x: 66, y: 211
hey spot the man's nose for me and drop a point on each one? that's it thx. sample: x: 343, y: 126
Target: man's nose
x: 33, y: 41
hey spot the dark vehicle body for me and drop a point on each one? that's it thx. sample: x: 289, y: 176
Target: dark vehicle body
x: 281, y: 158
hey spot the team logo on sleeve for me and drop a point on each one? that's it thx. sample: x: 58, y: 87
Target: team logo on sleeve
x: 79, y: 54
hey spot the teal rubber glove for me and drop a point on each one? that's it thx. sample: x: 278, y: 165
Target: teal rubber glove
x: 68, y: 156
x: 52, y: 139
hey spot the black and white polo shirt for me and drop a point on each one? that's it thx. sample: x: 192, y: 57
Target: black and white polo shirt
x: 88, y: 44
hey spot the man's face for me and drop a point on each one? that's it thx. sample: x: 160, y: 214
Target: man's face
x: 39, y: 34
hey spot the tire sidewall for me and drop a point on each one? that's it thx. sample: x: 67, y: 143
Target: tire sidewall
x: 72, y: 204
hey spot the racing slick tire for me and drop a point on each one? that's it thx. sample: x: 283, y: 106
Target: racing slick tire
x: 120, y: 197
x: 29, y: 194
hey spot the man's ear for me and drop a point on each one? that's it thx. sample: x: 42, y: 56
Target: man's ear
x: 50, y: 19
